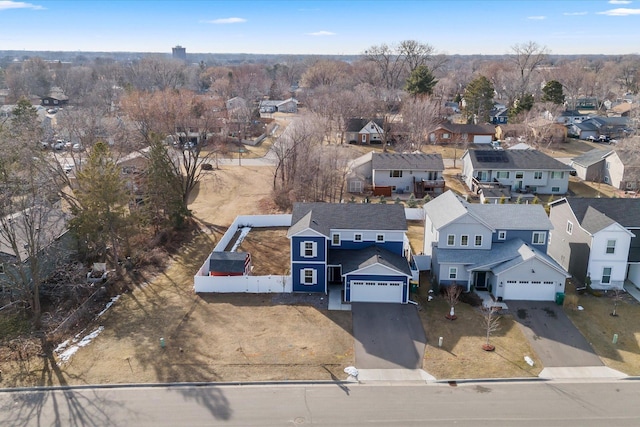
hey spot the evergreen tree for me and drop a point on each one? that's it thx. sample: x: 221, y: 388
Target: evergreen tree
x: 552, y: 92
x: 421, y: 81
x: 101, y: 219
x: 478, y: 97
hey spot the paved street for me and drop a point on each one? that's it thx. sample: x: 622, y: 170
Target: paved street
x: 473, y: 404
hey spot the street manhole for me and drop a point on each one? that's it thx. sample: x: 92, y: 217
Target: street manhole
x: 298, y: 420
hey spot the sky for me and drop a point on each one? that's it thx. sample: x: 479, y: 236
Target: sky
x: 330, y: 27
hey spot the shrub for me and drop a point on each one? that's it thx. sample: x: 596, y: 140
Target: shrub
x: 471, y: 298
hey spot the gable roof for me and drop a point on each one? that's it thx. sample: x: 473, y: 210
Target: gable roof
x: 419, y: 161
x: 355, y: 124
x: 323, y: 217
x: 625, y: 212
x: 591, y: 157
x: 371, y: 255
x: 472, y: 129
x: 514, y: 159
x: 228, y: 262
x: 53, y: 221
x: 445, y: 208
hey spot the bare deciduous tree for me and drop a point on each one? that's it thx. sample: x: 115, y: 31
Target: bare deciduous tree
x: 491, y: 323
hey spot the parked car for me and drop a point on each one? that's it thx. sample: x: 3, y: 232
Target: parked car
x: 58, y: 145
x: 603, y: 138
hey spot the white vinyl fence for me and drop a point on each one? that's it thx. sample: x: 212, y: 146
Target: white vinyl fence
x: 202, y: 282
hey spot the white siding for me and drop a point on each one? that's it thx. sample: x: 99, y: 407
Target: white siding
x: 530, y: 271
x: 599, y: 259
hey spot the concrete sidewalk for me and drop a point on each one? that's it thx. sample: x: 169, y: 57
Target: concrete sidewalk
x: 393, y: 375
x: 581, y: 372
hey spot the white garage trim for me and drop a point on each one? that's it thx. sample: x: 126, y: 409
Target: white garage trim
x: 530, y: 290
x: 374, y: 291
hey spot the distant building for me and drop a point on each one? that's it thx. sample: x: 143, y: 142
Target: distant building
x: 179, y: 52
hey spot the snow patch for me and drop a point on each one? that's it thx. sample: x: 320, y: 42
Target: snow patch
x: 243, y: 234
x: 76, y: 344
x: 109, y: 304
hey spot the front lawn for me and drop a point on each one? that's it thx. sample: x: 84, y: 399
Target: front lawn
x: 461, y: 355
x: 598, y: 326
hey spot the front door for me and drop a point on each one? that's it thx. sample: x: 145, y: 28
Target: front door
x: 481, y: 280
x: 334, y: 274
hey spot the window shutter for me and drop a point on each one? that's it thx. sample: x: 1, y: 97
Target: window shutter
x: 302, y: 276
x: 315, y: 249
x: 315, y: 276
x: 302, y: 251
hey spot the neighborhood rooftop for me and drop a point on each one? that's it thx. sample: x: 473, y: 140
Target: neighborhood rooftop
x: 515, y: 159
x: 624, y: 211
x: 322, y: 217
x: 411, y: 161
x: 591, y: 157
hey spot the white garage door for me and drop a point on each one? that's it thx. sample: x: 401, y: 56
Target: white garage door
x: 482, y: 139
x: 530, y: 290
x: 376, y: 291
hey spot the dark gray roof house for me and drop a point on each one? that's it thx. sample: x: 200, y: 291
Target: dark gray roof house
x: 322, y: 217
x: 590, y: 165
x: 515, y: 159
x: 407, y: 161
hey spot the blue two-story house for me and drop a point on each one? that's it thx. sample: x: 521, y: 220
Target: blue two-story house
x: 500, y: 248
x: 361, y: 247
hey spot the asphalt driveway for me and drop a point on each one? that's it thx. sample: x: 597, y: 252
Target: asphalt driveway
x: 555, y: 339
x: 387, y: 336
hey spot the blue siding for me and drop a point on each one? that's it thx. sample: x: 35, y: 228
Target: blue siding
x: 395, y: 247
x: 321, y: 282
x: 321, y: 254
x: 525, y: 236
x: 376, y: 278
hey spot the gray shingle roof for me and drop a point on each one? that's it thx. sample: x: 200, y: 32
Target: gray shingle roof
x: 625, y: 212
x: 515, y: 160
x: 355, y: 124
x: 445, y: 208
x: 471, y: 129
x: 431, y: 162
x: 355, y: 260
x: 511, y: 216
x: 322, y: 217
x: 448, y: 206
x: 501, y: 257
x: 591, y: 157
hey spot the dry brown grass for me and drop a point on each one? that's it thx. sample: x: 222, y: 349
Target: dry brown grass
x: 598, y: 326
x: 416, y: 235
x: 269, y: 249
x: 461, y: 355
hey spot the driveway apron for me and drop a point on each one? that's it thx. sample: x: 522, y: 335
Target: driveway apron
x: 555, y: 339
x: 387, y: 336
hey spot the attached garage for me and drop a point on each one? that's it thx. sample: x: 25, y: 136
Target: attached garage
x: 530, y: 290
x: 376, y: 291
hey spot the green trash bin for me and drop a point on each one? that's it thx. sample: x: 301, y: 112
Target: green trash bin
x: 559, y: 298
x: 413, y: 286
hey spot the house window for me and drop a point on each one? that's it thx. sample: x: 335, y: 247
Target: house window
x: 453, y: 272
x: 380, y: 238
x: 446, y: 136
x: 309, y: 276
x: 519, y: 175
x: 502, y: 235
x: 502, y: 174
x: 478, y: 240
x: 46, y: 101
x: 606, y: 165
x: 606, y: 179
x: 606, y: 275
x: 538, y: 238
x: 1, y: 268
x: 555, y: 189
x: 629, y: 185
x: 569, y: 227
x: 395, y: 174
x: 557, y: 175
x: 357, y: 237
x: 611, y: 247
x: 309, y: 249
x: 464, y: 240
x: 335, y: 239
x: 537, y: 175
x: 451, y: 240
